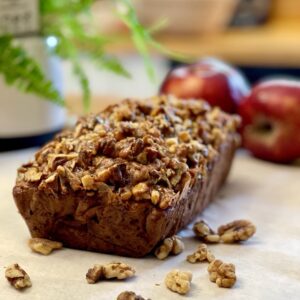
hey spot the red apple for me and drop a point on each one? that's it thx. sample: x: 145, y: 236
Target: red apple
x: 209, y: 79
x: 271, y: 120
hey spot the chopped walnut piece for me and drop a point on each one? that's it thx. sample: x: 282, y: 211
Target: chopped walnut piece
x: 33, y: 175
x: 129, y: 296
x: 94, y: 274
x: 17, y: 277
x: 221, y: 273
x: 88, y: 182
x: 201, y: 254
x: 179, y: 281
x: 44, y: 246
x: 116, y: 270
x: 171, y: 245
x: 205, y: 233
x: 141, y: 191
x: 103, y: 175
x: 125, y: 195
x: 155, y: 196
x: 236, y: 231
x: 184, y: 136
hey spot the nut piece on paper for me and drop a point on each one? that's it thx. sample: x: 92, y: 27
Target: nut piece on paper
x: 44, y: 246
x: 236, y: 231
x: 129, y: 296
x: 200, y: 255
x: 17, y: 277
x: 94, y: 274
x: 112, y: 270
x: 179, y: 281
x: 171, y: 245
x: 221, y: 273
x: 205, y: 233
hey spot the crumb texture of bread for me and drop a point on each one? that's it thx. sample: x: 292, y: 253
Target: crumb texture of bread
x: 125, y: 179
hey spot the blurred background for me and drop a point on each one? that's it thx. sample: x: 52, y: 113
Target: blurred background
x: 261, y: 37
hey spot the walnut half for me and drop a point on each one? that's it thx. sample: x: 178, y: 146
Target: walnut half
x: 17, y: 277
x: 116, y: 270
x: 205, y: 233
x: 171, y: 245
x: 201, y: 254
x: 221, y: 273
x: 236, y: 231
x: 179, y: 281
x: 43, y: 246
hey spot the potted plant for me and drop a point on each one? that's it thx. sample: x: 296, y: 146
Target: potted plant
x: 33, y: 35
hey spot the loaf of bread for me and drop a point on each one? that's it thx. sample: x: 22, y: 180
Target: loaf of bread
x: 128, y: 177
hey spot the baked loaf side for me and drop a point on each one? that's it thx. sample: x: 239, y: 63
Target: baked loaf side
x: 128, y: 177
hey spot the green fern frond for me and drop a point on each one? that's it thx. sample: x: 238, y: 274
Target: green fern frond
x: 22, y: 71
x: 142, y: 37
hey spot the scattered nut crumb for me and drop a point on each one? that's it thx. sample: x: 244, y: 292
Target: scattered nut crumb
x: 94, y: 274
x: 201, y: 254
x: 129, y: 296
x: 116, y: 270
x: 205, y: 233
x: 179, y: 281
x: 43, y: 246
x: 171, y: 245
x: 17, y: 277
x: 221, y: 273
x: 236, y: 231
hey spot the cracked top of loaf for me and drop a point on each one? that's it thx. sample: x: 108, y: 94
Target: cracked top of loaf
x: 136, y: 151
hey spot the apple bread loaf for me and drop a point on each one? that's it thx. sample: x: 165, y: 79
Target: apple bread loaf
x: 128, y: 177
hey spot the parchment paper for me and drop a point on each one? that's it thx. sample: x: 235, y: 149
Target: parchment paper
x: 267, y: 266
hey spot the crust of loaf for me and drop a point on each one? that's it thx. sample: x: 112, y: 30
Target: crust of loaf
x: 128, y: 228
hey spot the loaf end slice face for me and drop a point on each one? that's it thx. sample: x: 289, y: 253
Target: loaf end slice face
x: 128, y: 177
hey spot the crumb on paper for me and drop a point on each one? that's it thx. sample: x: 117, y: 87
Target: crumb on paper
x: 114, y: 270
x: 43, y: 246
x: 17, y: 277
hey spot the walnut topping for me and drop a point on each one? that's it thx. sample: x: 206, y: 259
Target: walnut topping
x: 221, y: 273
x: 87, y: 182
x: 201, y: 254
x: 116, y: 270
x: 205, y: 233
x: 129, y: 296
x: 172, y: 245
x: 236, y: 231
x: 17, y: 277
x: 155, y: 196
x: 140, y: 191
x: 184, y: 136
x: 44, y: 246
x: 149, y: 147
x: 32, y: 175
x: 179, y: 281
